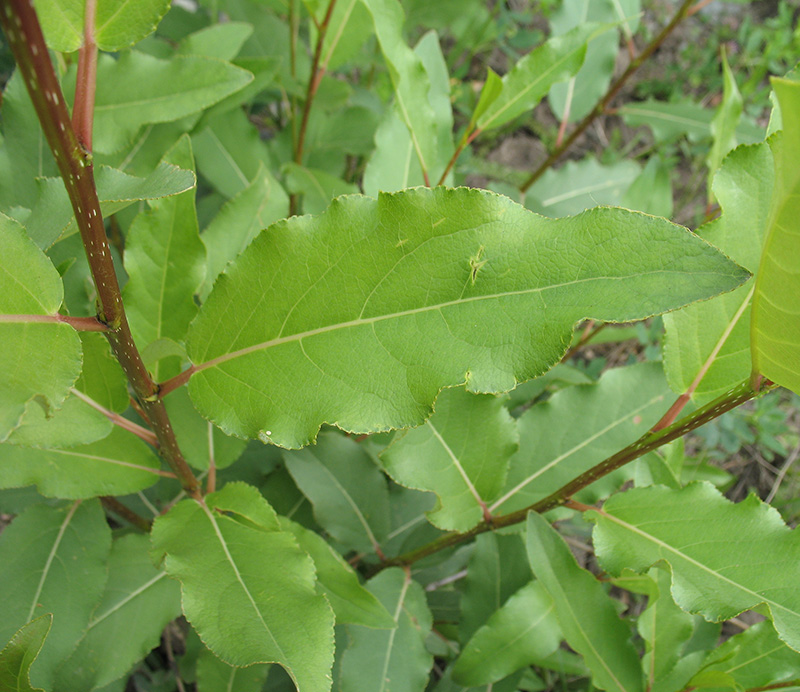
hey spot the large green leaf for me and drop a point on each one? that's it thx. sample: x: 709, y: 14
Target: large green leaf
x: 118, y: 23
x: 585, y: 613
x: 702, y: 536
x: 19, y: 654
x: 53, y: 559
x: 233, y: 561
x: 718, y: 330
x: 165, y: 261
x: 137, y: 604
x: 776, y: 302
x: 578, y: 427
x: 36, y: 360
x: 394, y: 659
x: 461, y: 454
x: 116, y: 465
x: 522, y: 631
x: 360, y: 316
x: 138, y: 89
x: 346, y: 488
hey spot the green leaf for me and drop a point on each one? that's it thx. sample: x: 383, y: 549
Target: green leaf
x: 53, y: 559
x: 719, y: 330
x: 349, y: 26
x: 346, y: 488
x: 223, y: 41
x: 116, y: 465
x: 317, y: 187
x: 390, y: 659
x: 775, y: 327
x: 351, y: 602
x: 522, y: 631
x: 585, y: 613
x: 258, y: 205
x: 531, y: 78
x: 498, y: 568
x: 699, y: 534
x: 461, y: 454
x: 165, y: 261
x: 489, y: 93
x: 579, y: 185
x: 214, y: 675
x: 36, y: 360
x: 52, y: 218
x: 232, y: 559
x: 138, y: 89
x: 19, y: 654
x: 118, y: 23
x: 412, y: 315
x: 139, y: 601
x: 580, y: 426
x: 651, y: 191
x: 723, y: 126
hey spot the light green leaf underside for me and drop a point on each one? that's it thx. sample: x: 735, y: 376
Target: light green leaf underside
x: 390, y: 660
x: 776, y: 302
x: 585, y: 612
x: 461, y: 454
x: 53, y: 559
x: 522, y: 631
x: 19, y: 654
x: 702, y: 536
x: 126, y: 625
x: 214, y: 675
x: 36, y: 360
x: 360, y: 316
x: 232, y: 559
x: 577, y: 428
x: 116, y: 465
x: 743, y: 187
x: 52, y: 218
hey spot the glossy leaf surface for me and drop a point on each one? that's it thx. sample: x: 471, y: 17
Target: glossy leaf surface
x: 377, y: 356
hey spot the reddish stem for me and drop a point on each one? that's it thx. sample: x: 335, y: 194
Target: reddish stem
x: 81, y: 324
x: 113, y: 505
x: 86, y: 80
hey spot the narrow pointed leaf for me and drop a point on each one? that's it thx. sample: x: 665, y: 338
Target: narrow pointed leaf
x: 214, y: 675
x: 115, y: 465
x: 776, y: 302
x: 743, y: 187
x: 585, y: 613
x: 700, y: 534
x: 165, y: 260
x: 580, y: 426
x: 461, y: 454
x: 522, y: 631
x: 53, y: 559
x: 346, y: 488
x: 423, y: 280
x: 723, y: 126
x: 36, y: 360
x: 19, y: 654
x: 351, y: 602
x: 137, y: 604
x: 390, y: 659
x: 232, y: 560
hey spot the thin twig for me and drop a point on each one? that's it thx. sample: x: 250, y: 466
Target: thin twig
x: 142, y: 433
x: 113, y: 505
x: 86, y: 79
x: 782, y: 474
x: 81, y: 324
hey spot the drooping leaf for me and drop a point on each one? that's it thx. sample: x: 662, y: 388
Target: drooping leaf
x: 743, y: 187
x: 390, y: 659
x: 723, y: 126
x: 775, y: 327
x: 137, y: 604
x: 19, y: 654
x: 232, y: 560
x: 36, y: 360
x: 351, y: 602
x: 585, y: 613
x: 165, y: 261
x: 398, y: 332
x: 115, y: 465
x: 580, y: 426
x: 346, y: 488
x: 214, y: 675
x: 138, y: 89
x: 522, y: 631
x: 461, y: 454
x: 53, y: 559
x: 699, y: 534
